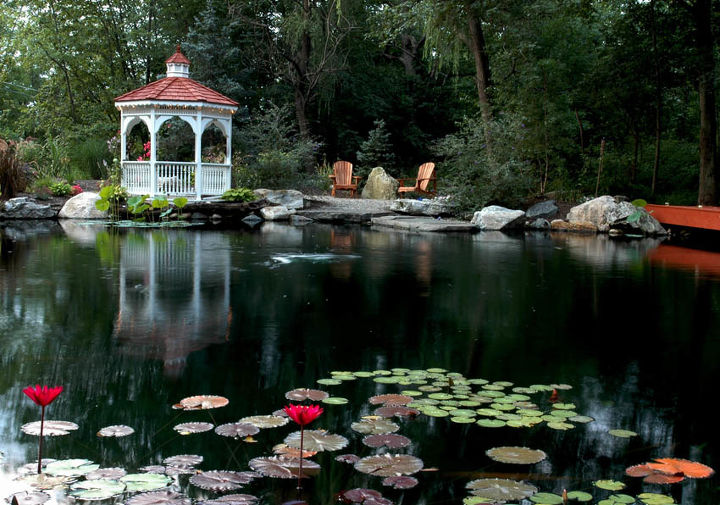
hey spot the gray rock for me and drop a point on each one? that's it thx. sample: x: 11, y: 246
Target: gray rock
x: 431, y: 207
x: 380, y: 186
x: 252, y: 220
x: 547, y: 209
x: 198, y: 216
x: 495, y: 217
x: 276, y: 213
x: 82, y: 206
x: 606, y: 212
x: 24, y: 208
x: 216, y: 217
x: 299, y: 220
x: 424, y: 224
x: 577, y: 227
x: 538, y: 224
x: 289, y: 198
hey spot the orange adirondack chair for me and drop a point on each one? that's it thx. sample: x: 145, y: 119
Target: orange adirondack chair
x: 426, y: 174
x: 343, y: 179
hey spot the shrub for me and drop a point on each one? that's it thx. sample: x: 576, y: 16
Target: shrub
x: 89, y: 158
x: 483, y: 164
x: 376, y: 151
x: 239, y: 195
x: 12, y: 175
x: 60, y: 188
x: 50, y: 158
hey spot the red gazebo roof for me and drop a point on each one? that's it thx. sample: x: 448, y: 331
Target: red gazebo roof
x: 178, y: 57
x: 174, y: 89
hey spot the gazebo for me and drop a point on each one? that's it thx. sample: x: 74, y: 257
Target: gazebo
x: 176, y: 95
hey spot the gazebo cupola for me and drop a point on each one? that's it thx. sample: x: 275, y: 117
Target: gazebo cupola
x: 176, y: 95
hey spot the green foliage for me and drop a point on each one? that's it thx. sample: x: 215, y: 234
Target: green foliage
x: 90, y: 157
x: 60, y: 188
x: 12, y: 176
x: 111, y: 197
x: 239, y: 195
x: 49, y: 158
x: 476, y: 175
x: 376, y: 150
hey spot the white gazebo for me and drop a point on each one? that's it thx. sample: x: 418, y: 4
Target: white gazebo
x: 176, y: 95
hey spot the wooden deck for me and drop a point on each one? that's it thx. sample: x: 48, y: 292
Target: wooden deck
x: 706, y: 218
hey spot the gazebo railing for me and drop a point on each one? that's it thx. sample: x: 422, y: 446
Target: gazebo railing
x: 175, y: 178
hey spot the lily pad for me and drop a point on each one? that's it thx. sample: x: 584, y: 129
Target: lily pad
x: 231, y: 499
x: 237, y: 430
x: 302, y: 394
x: 691, y: 469
x: 490, y: 423
x: 71, y: 467
x: 391, y: 440
x: 282, y: 468
x: 286, y: 451
x: 263, y: 422
x: 621, y: 498
x: 29, y: 498
x: 50, y: 429
x: 347, y: 458
x: 145, y: 482
x: 462, y: 420
x: 581, y: 419
x: 610, y: 485
x: 564, y: 406
x: 159, y: 498
x: 557, y: 425
x: 656, y: 499
x: 106, y: 473
x: 516, y: 455
x: 501, y: 489
x: 388, y: 380
x: 374, y: 426
x: 117, y: 430
x: 219, y: 481
x: 580, y: 496
x: 335, y: 400
x: 360, y: 495
x: 622, y: 433
x: 547, y: 498
x: 317, y: 440
x: 184, y: 460
x: 191, y: 428
x: 387, y: 465
x: 396, y: 410
x: 400, y: 482
x: 201, y: 402
x: 390, y: 399
x: 100, y: 489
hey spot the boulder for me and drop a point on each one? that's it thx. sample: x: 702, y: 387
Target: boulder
x: 423, y: 224
x: 380, y: 186
x: 578, y: 227
x: 252, y: 220
x: 297, y: 220
x: 24, y: 208
x: 606, y: 212
x: 547, y: 209
x: 538, y: 224
x: 495, y: 217
x: 433, y: 207
x: 82, y: 206
x: 276, y: 213
x: 289, y: 198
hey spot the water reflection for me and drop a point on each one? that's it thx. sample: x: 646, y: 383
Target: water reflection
x: 132, y: 321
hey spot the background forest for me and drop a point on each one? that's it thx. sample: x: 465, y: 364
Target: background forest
x: 512, y: 98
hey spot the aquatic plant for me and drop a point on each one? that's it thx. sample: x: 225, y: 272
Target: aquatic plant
x: 302, y: 415
x: 42, y: 396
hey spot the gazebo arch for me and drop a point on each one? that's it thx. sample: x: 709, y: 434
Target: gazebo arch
x: 176, y: 95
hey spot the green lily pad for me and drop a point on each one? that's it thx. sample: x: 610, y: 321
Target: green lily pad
x: 547, y: 498
x: 621, y: 498
x: 504, y: 384
x: 564, y: 406
x: 530, y: 412
x: 563, y: 414
x: 489, y: 412
x: 477, y: 382
x: 440, y: 396
x: 622, y: 433
x: 335, y: 400
x: 555, y: 425
x: 540, y: 387
x: 492, y: 387
x: 329, y: 382
x: 100, y: 489
x: 469, y: 403
x: 491, y: 394
x: 525, y: 391
x: 580, y: 496
x: 656, y: 499
x: 70, y: 467
x: 145, y: 481
x: 462, y: 420
x: 476, y: 500
x: 581, y: 419
x: 462, y: 413
x: 502, y: 406
x: 410, y: 392
x: 436, y: 370
x: 436, y: 412
x: 363, y: 374
x: 387, y: 380
x: 490, y: 423
x: 610, y: 485
x: 341, y: 377
x: 400, y: 370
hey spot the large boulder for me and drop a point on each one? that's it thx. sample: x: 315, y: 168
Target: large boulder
x: 276, y: 213
x: 380, y: 186
x: 289, y: 198
x: 576, y: 226
x: 82, y: 206
x: 607, y: 212
x: 495, y: 217
x: 546, y: 210
x: 24, y: 208
x: 433, y: 207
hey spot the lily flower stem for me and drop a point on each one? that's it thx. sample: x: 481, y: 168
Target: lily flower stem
x: 302, y: 434
x: 42, y: 425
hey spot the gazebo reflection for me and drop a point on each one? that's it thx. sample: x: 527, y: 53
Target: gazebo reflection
x: 174, y: 295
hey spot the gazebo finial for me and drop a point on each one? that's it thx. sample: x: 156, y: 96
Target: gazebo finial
x: 177, y: 64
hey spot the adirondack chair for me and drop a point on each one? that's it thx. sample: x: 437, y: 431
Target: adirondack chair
x: 343, y: 179
x: 426, y: 174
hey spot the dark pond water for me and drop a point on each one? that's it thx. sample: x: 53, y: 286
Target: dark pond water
x: 130, y: 322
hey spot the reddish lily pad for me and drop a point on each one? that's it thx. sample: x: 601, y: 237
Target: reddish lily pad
x: 365, y: 496
x: 219, y: 481
x: 183, y: 460
x: 231, y: 499
x: 391, y: 440
x: 159, y: 498
x: 347, y: 458
x: 29, y: 498
x: 50, y: 429
x: 301, y: 394
x: 396, y: 410
x: 374, y: 426
x: 281, y: 468
x: 263, y: 422
x: 190, y: 428
x: 691, y: 469
x: 201, y: 402
x: 237, y: 430
x: 117, y: 430
x: 661, y: 478
x: 388, y: 465
x: 390, y: 399
x: 106, y: 473
x: 638, y: 471
x: 400, y: 482
x: 317, y: 440
x: 291, y: 452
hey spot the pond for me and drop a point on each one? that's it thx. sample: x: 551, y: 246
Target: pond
x: 130, y: 322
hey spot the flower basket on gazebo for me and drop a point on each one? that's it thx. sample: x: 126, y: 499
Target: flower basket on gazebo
x: 176, y: 95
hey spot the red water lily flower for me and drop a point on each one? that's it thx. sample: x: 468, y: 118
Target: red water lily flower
x: 42, y: 395
x: 303, y: 414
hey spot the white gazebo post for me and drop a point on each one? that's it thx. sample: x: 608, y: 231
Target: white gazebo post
x: 176, y: 95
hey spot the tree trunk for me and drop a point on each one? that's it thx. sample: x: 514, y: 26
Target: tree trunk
x: 707, y: 191
x: 476, y: 44
x: 302, y: 63
x: 658, y: 101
